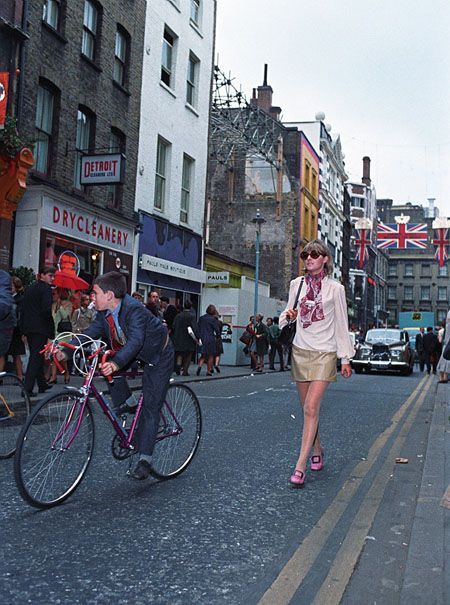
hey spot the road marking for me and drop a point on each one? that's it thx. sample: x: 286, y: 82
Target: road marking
x: 446, y: 498
x: 345, y: 561
x: 293, y: 573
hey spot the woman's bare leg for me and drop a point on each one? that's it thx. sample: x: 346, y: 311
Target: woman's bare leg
x: 18, y: 365
x: 311, y: 394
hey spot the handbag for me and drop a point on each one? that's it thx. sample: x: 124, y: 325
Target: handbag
x: 246, y: 337
x: 287, y: 333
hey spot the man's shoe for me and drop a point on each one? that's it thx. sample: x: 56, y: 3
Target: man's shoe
x: 142, y: 470
x: 46, y: 388
x: 198, y: 371
x: 271, y: 367
x: 281, y: 370
x: 124, y: 408
x: 30, y: 393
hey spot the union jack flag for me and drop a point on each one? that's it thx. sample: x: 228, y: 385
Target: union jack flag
x: 402, y: 235
x: 441, y: 242
x: 362, y: 243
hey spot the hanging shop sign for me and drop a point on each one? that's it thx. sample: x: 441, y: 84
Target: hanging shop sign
x: 86, y: 226
x: 222, y: 277
x: 102, y: 169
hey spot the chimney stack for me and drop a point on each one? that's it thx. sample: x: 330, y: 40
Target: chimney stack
x: 366, y: 171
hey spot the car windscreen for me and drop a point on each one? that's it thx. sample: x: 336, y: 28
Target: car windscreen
x: 386, y: 336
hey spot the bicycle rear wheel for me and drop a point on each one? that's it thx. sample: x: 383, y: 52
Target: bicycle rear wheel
x: 14, y: 409
x: 179, y: 432
x: 54, y: 450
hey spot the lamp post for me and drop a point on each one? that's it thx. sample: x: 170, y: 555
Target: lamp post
x: 258, y: 220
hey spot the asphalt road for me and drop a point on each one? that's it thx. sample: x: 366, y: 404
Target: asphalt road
x: 230, y: 529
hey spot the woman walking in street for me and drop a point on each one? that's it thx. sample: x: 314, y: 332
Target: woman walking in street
x: 209, y: 328
x: 261, y: 342
x: 17, y: 346
x: 321, y: 336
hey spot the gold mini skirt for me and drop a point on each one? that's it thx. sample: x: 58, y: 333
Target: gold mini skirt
x: 307, y: 366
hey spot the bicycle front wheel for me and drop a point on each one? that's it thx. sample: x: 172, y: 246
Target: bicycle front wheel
x: 54, y: 450
x: 179, y: 432
x: 14, y: 409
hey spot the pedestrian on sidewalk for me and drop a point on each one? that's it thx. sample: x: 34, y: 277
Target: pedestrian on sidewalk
x: 443, y: 366
x: 275, y: 347
x: 208, y: 328
x: 17, y: 346
x: 261, y: 342
x: 419, y: 348
x: 321, y: 336
x: 430, y: 348
x: 219, y: 345
x: 185, y: 337
x: 38, y: 326
x: 7, y: 316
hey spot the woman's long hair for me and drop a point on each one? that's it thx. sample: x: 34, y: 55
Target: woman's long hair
x: 321, y: 248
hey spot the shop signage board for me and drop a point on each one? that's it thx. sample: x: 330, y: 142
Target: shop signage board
x: 161, y: 265
x: 222, y: 277
x: 104, y: 169
x: 86, y: 226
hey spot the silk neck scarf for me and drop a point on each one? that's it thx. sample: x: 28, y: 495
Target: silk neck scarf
x: 311, y: 307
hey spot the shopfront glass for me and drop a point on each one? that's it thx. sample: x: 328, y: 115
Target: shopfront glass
x: 57, y: 251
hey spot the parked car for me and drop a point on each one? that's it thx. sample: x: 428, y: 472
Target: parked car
x: 386, y: 349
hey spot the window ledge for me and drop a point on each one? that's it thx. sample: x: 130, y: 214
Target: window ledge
x: 168, y: 89
x: 54, y: 32
x: 91, y: 63
x: 175, y: 5
x: 195, y: 28
x: 192, y: 109
x: 158, y: 211
x: 122, y: 88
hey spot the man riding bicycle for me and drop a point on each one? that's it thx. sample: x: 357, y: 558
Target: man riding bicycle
x: 134, y: 333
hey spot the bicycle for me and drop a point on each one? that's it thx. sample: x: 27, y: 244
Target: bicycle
x: 55, y: 447
x: 14, y: 410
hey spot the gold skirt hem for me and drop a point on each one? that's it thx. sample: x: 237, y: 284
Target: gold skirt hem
x: 307, y: 366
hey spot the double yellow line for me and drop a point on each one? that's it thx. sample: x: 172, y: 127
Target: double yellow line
x: 296, y: 569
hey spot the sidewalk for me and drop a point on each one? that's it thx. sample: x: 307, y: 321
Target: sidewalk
x: 427, y: 573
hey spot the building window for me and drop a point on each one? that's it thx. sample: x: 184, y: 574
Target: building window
x: 442, y: 293
x: 392, y: 272
x: 162, y: 159
x: 426, y: 271
x: 115, y: 190
x: 84, y: 135
x: 52, y: 13
x: 392, y: 292
x: 409, y: 270
x: 90, y: 22
x: 443, y: 271
x: 441, y: 316
x: 195, y: 12
x: 425, y: 293
x: 167, y: 59
x: 120, y: 56
x: 314, y: 183
x: 306, y: 182
x: 408, y: 293
x: 186, y: 186
x: 44, y: 127
x: 192, y: 80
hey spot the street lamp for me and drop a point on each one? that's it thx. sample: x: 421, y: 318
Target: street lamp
x: 258, y: 220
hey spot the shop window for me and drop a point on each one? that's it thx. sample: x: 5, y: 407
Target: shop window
x: 85, y: 134
x: 121, y: 56
x: 88, y: 260
x: 45, y: 109
x: 52, y: 12
x: 117, y: 144
x: 89, y: 41
x: 192, y: 80
x: 186, y: 188
x: 168, y: 58
x: 162, y: 159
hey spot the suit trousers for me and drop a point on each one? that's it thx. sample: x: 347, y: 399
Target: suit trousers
x: 155, y: 383
x: 35, y: 368
x: 276, y: 347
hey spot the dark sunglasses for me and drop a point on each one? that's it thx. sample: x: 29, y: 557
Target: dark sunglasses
x: 313, y: 254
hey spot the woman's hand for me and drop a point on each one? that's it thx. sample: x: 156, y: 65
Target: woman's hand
x: 291, y: 314
x: 108, y: 368
x: 346, y: 370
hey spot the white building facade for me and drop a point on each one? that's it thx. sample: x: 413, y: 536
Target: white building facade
x: 173, y: 147
x: 331, y: 186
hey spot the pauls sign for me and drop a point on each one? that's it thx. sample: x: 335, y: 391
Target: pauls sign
x: 102, y: 169
x: 222, y: 277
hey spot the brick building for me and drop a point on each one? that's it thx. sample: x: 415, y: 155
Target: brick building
x: 415, y: 282
x: 81, y: 95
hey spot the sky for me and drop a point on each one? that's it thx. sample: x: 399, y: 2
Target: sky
x: 378, y: 69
